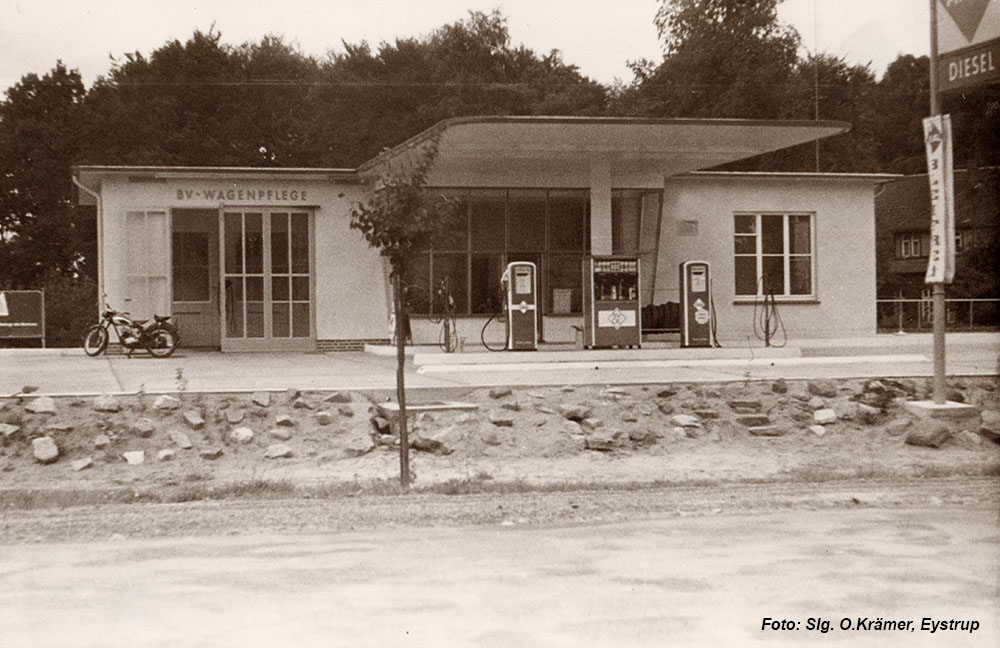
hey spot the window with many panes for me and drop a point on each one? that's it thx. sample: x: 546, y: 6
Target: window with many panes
x: 910, y: 245
x: 774, y: 255
x: 550, y: 228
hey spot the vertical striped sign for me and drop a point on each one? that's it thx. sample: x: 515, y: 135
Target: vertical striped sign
x: 937, y: 141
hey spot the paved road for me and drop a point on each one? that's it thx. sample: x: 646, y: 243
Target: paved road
x: 697, y: 581
x: 70, y: 372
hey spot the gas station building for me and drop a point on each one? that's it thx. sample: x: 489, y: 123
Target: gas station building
x: 264, y: 259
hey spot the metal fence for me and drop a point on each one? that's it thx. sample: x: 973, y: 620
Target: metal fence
x: 918, y: 314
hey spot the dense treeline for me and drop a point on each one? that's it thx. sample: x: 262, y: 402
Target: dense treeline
x: 203, y: 102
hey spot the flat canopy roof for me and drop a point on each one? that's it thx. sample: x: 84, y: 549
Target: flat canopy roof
x: 664, y: 146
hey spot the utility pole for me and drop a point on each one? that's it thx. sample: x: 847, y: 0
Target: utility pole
x: 940, y: 305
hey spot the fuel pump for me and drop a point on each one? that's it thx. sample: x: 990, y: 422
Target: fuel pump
x: 520, y: 287
x: 696, y: 304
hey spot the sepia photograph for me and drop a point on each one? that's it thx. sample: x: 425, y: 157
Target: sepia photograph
x: 499, y: 323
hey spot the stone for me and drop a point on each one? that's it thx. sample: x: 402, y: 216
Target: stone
x: 802, y: 397
x: 261, y: 399
x: 281, y: 433
x: 234, y: 416
x: 741, y: 406
x: 753, y: 420
x: 491, y: 438
x: 345, y: 410
x: 194, y: 420
x: 574, y: 428
x: 825, y: 416
x: 165, y: 402
x: 868, y: 414
x: 211, y: 454
x: 101, y: 441
x: 929, y: 433
x: 324, y: 418
x: 967, y: 439
x: 42, y: 405
x: 989, y: 435
x: 575, y: 412
x: 359, y: 443
x: 816, y: 403
x: 629, y: 417
x: 642, y: 437
x: 82, y: 464
x: 685, y: 421
x: 338, y: 397
x: 301, y: 403
x: 59, y: 427
x: 277, y: 451
x: 544, y: 409
x: 604, y: 440
x: 665, y: 393
x: 706, y: 414
x: 500, y: 392
x: 591, y: 423
x: 106, y: 403
x: 134, y: 457
x: 822, y: 387
x: 990, y: 419
x: 767, y: 431
x: 143, y: 428
x: 381, y: 425
x: 28, y: 389
x: 614, y: 391
x: 818, y: 430
x: 501, y: 420
x: 45, y: 450
x: 180, y: 439
x: 897, y: 427
x: 284, y: 420
x: 955, y: 396
x: 513, y: 406
x: 241, y: 435
x: 167, y: 454
x: 779, y: 386
x: 292, y: 394
x: 8, y: 430
x: 666, y: 408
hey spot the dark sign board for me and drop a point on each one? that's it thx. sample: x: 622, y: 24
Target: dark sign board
x: 968, y: 43
x: 22, y: 314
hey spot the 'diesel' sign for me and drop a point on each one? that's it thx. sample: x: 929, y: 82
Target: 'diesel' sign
x: 968, y: 43
x: 22, y: 314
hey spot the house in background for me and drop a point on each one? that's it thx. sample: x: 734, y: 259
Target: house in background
x: 902, y: 213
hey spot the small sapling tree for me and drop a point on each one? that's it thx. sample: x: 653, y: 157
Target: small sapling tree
x: 400, y: 217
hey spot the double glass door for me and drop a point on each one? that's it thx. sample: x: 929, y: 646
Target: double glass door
x: 267, y: 288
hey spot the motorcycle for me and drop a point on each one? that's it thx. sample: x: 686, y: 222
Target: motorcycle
x: 159, y: 336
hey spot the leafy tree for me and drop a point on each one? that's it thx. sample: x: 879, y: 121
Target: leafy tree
x: 723, y: 58
x: 399, y: 217
x: 41, y: 231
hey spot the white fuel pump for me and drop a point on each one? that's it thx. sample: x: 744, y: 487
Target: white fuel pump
x: 520, y: 287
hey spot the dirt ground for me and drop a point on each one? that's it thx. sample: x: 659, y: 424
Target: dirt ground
x: 630, y: 434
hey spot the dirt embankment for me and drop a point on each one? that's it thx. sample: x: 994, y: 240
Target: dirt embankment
x: 799, y: 431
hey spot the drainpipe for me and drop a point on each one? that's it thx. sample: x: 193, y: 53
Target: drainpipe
x: 100, y: 242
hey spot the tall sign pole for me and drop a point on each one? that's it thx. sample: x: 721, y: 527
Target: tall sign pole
x: 940, y: 305
x: 965, y: 54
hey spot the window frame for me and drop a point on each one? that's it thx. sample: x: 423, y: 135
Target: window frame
x: 786, y: 256
x: 909, y: 245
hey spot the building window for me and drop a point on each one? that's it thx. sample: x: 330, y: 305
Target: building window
x: 774, y: 255
x: 550, y: 228
x: 911, y: 245
x: 963, y: 238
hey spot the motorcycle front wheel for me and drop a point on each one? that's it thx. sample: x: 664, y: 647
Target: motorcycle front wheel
x: 161, y: 342
x: 95, y: 340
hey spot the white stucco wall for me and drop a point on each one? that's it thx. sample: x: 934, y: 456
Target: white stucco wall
x: 350, y: 300
x: 844, y: 237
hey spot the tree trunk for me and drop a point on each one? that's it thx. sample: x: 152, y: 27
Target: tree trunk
x: 404, y: 437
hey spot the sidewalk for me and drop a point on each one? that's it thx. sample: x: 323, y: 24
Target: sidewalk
x: 69, y: 371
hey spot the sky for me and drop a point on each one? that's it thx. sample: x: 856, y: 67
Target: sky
x: 598, y: 36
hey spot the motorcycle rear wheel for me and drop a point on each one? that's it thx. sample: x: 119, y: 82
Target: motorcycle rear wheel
x: 161, y: 342
x: 95, y: 340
